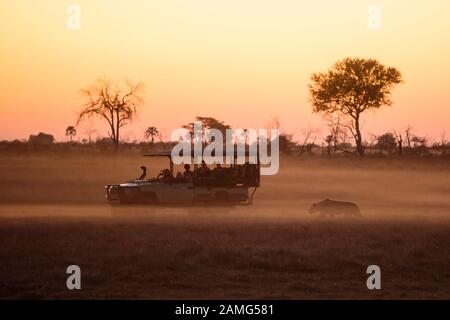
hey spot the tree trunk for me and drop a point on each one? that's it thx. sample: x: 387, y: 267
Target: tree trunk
x: 116, y: 143
x: 113, y: 130
x: 358, y: 138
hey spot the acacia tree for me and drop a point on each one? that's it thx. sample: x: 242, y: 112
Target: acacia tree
x: 115, y: 103
x: 350, y: 87
x: 71, y: 132
x: 207, y: 123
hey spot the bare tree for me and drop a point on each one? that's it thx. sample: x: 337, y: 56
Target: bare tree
x: 115, y: 103
x: 308, y: 136
x: 399, y: 138
x: 338, y: 133
x: 333, y: 124
x: 408, y: 135
x: 351, y: 87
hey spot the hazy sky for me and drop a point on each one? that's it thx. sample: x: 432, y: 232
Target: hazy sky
x: 242, y: 61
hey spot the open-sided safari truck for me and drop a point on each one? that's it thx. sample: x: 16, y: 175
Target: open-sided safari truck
x: 231, y: 184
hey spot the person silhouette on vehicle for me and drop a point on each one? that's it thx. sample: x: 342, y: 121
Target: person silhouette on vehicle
x: 204, y: 170
x: 187, y: 173
x: 218, y: 171
x: 144, y: 173
x: 165, y: 176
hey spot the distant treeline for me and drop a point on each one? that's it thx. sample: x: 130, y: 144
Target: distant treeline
x: 388, y: 144
x: 383, y: 145
x: 100, y: 146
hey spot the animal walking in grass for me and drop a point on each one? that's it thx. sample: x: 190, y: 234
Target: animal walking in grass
x: 331, y: 208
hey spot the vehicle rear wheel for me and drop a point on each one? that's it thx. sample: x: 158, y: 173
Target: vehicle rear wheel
x: 221, y: 196
x: 149, y: 197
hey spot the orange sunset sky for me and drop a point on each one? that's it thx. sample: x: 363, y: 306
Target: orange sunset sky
x: 242, y: 61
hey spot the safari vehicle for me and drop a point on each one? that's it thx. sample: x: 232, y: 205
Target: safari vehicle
x: 235, y: 184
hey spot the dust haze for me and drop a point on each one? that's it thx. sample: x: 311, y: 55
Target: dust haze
x: 53, y: 213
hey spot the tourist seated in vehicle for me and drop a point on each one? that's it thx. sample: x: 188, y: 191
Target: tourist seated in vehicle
x: 219, y: 173
x: 203, y: 171
x: 144, y: 173
x: 218, y: 170
x: 179, y: 177
x: 165, y: 176
x: 187, y: 173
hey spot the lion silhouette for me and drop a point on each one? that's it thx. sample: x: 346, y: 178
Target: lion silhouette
x: 331, y: 208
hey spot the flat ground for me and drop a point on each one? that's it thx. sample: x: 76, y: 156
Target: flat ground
x: 53, y: 214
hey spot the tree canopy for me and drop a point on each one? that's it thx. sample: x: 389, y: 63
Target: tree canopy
x: 350, y: 87
x: 115, y: 103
